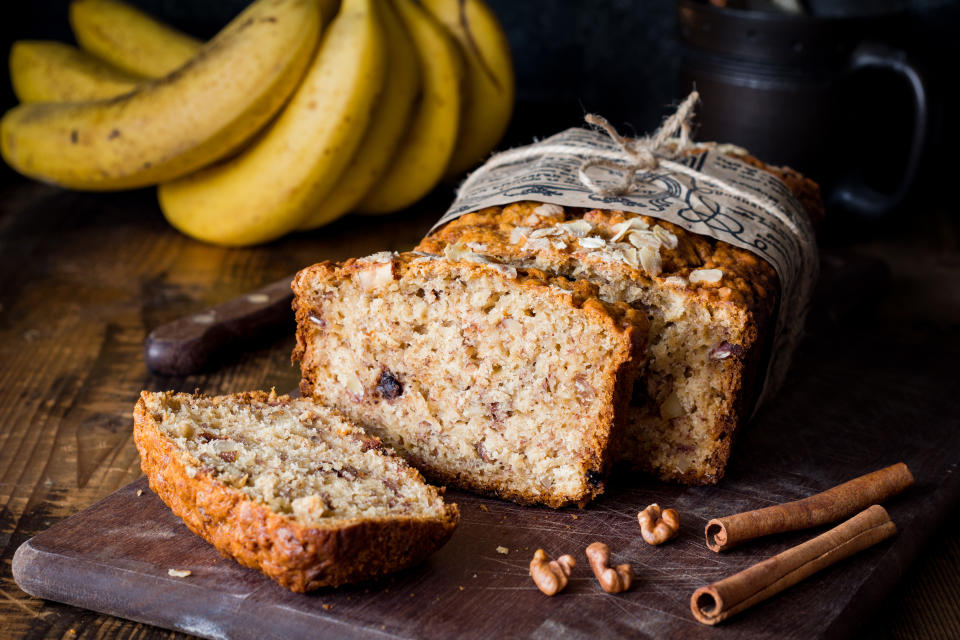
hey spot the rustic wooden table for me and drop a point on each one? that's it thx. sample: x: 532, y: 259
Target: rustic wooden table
x: 85, y: 277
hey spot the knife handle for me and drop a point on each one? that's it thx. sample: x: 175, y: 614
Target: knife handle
x: 195, y: 342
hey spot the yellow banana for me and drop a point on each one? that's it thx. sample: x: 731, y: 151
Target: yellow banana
x: 47, y: 71
x: 489, y: 87
x: 124, y: 35
x: 129, y: 39
x: 425, y: 150
x: 387, y: 125
x: 269, y: 188
x: 169, y: 127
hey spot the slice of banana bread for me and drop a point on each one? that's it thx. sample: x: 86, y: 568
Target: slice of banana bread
x: 711, y: 308
x: 288, y: 487
x: 485, y: 377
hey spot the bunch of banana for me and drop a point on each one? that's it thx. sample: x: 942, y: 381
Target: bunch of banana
x: 298, y: 112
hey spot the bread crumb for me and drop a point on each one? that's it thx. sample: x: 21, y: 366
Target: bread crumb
x: 483, y: 507
x: 139, y: 492
x: 179, y: 573
x: 503, y: 550
x: 327, y: 607
x: 575, y: 517
x: 461, y: 587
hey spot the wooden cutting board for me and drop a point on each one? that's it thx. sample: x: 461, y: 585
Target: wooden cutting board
x: 855, y: 401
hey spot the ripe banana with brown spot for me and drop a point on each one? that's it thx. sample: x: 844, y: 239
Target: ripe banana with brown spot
x: 425, y: 150
x: 47, y: 71
x: 489, y: 87
x: 129, y: 39
x: 271, y: 186
x: 169, y: 127
x: 387, y: 126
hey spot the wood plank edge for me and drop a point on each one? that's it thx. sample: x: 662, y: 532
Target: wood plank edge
x: 36, y: 572
x: 886, y: 574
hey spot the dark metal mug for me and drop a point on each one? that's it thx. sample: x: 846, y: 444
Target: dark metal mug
x: 771, y: 83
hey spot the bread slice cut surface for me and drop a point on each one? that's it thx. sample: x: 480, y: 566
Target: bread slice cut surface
x: 288, y: 487
x: 487, y: 378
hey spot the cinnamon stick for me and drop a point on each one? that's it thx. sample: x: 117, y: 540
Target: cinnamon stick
x: 729, y: 596
x: 831, y: 505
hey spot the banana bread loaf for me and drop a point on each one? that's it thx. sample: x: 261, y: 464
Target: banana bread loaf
x: 288, y: 487
x: 495, y: 379
x: 711, y: 309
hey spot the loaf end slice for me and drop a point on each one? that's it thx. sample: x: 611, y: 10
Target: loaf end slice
x: 497, y: 380
x: 288, y: 487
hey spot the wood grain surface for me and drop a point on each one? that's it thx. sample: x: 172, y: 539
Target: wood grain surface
x: 84, y: 278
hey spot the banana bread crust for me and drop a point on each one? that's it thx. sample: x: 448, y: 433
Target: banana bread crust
x: 298, y: 557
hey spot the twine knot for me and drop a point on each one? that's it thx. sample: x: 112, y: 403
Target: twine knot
x: 640, y: 154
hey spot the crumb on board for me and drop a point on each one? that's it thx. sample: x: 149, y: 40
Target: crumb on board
x: 503, y: 550
x: 179, y: 573
x: 575, y: 517
x: 483, y: 507
x: 139, y: 492
x: 326, y: 607
x: 461, y: 587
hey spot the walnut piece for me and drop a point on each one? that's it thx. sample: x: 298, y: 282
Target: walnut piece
x: 612, y: 579
x: 657, y: 527
x: 551, y: 576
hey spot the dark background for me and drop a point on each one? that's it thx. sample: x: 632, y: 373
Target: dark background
x: 620, y: 58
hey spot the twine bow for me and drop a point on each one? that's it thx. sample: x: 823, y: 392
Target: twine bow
x: 660, y: 150
x: 641, y: 154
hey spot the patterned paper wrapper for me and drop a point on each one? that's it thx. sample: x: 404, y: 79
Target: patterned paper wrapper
x: 770, y: 222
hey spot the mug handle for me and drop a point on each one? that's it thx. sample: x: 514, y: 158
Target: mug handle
x: 853, y: 194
